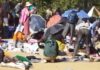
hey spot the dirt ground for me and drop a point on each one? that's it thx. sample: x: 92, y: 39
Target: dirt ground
x: 60, y: 65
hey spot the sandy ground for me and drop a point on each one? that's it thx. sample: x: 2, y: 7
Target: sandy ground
x: 62, y: 66
x: 59, y: 65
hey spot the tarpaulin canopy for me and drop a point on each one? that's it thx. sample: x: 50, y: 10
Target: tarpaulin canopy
x: 90, y: 13
x: 66, y: 13
x: 94, y: 12
x: 56, y: 28
x: 82, y: 14
x: 37, y: 23
x: 53, y: 20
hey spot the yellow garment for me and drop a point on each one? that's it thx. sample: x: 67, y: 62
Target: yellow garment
x: 19, y: 36
x: 7, y: 53
x: 60, y: 45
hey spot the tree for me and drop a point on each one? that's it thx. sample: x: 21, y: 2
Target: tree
x: 63, y: 4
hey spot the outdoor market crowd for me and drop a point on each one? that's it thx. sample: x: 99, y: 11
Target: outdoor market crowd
x: 72, y: 33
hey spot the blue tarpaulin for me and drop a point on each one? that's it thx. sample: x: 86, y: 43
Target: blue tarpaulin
x: 82, y: 14
x: 66, y: 13
x: 37, y: 23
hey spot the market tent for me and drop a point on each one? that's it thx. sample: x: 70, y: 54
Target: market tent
x: 94, y: 12
x: 56, y: 28
x: 82, y: 14
x: 37, y: 22
x: 66, y: 13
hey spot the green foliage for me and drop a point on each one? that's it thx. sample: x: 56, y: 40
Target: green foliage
x: 42, y: 5
x: 0, y: 1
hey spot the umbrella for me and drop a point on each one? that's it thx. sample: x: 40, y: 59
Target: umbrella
x: 82, y: 14
x: 53, y: 30
x: 53, y: 20
x: 37, y: 23
x: 66, y: 13
x: 56, y: 28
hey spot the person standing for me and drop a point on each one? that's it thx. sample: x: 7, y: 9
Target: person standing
x: 1, y: 20
x: 48, y: 13
x: 6, y: 8
x: 71, y: 22
x: 24, y: 18
x: 16, y: 13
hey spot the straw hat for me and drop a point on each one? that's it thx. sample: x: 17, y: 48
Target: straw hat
x: 28, y: 4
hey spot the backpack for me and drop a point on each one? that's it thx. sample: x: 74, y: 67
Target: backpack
x: 72, y: 17
x: 1, y: 55
x: 51, y: 48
